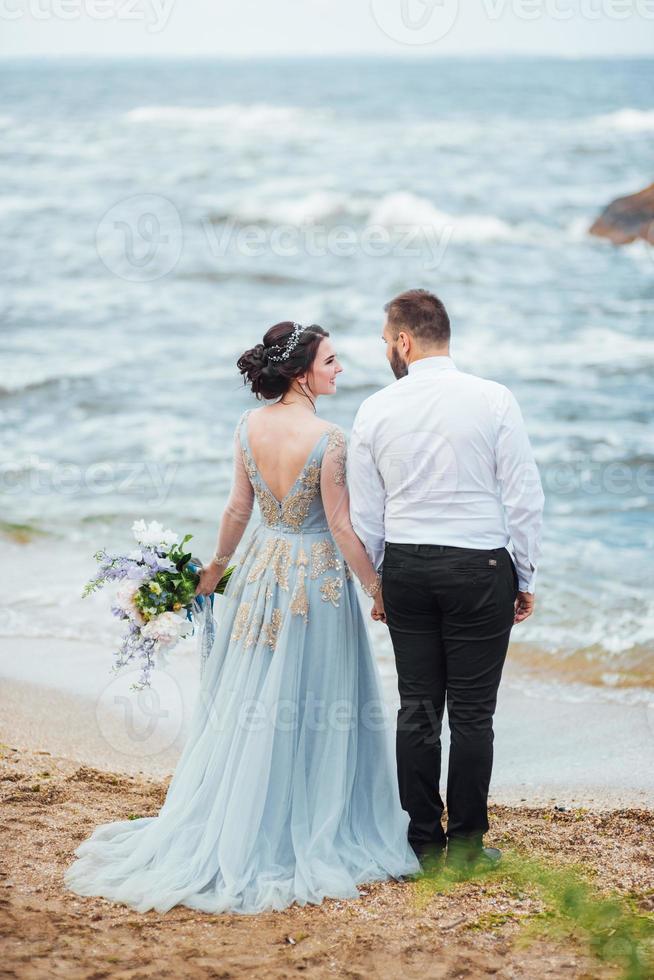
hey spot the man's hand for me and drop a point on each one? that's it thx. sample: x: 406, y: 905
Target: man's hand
x: 524, y: 606
x: 378, y: 613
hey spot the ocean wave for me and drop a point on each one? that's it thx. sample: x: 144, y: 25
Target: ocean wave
x: 310, y: 209
x: 405, y: 209
x: 13, y: 203
x: 397, y: 212
x: 27, y: 377
x: 627, y: 120
x: 255, y: 118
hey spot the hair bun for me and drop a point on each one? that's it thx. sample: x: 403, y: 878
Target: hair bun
x: 252, y: 362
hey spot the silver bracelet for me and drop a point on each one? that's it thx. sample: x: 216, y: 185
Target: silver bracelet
x: 372, y: 590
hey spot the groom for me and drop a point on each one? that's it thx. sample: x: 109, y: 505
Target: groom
x: 442, y: 480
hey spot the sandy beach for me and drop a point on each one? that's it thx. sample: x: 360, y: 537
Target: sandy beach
x: 562, y: 793
x: 50, y: 804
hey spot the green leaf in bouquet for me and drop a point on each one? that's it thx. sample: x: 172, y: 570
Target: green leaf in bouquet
x: 185, y: 558
x: 222, y: 585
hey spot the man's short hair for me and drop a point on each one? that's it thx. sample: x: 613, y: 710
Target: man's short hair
x: 420, y: 313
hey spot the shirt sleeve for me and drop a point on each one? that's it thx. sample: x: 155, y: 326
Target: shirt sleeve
x: 238, y: 509
x: 367, y: 495
x: 336, y: 501
x: 520, y: 490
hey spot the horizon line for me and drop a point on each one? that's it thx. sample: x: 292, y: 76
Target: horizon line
x: 329, y: 55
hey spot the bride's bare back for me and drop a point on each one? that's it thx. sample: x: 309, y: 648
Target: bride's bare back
x: 280, y: 441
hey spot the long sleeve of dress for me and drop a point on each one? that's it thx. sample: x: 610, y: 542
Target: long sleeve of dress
x: 336, y: 501
x: 238, y: 509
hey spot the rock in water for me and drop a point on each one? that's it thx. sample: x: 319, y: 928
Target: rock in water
x: 627, y: 218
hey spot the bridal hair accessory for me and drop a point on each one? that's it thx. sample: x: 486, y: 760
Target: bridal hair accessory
x: 287, y: 348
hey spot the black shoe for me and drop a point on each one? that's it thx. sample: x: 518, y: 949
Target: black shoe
x: 460, y: 856
x: 429, y: 855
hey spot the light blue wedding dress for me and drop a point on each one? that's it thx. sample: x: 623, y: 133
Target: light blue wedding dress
x: 286, y: 788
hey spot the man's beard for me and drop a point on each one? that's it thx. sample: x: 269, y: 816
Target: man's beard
x: 398, y: 367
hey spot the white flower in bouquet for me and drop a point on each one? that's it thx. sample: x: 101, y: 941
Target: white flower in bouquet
x: 152, y: 535
x: 167, y: 628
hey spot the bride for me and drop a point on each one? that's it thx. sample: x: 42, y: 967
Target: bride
x: 286, y: 788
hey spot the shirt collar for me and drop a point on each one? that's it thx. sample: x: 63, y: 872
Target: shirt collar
x: 439, y: 362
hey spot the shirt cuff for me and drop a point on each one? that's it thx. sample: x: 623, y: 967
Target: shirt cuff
x: 527, y: 583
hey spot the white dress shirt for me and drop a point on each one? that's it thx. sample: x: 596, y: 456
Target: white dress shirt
x: 443, y: 457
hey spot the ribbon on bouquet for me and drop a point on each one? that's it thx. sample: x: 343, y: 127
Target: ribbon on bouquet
x: 200, y: 614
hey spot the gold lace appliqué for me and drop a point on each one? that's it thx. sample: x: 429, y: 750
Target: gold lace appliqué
x: 272, y: 628
x: 337, y: 444
x: 330, y: 589
x: 296, y: 506
x: 241, y: 621
x: 299, y: 600
x: 323, y: 557
x: 276, y: 555
x: 267, y: 503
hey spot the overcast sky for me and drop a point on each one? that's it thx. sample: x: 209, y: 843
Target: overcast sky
x: 280, y: 27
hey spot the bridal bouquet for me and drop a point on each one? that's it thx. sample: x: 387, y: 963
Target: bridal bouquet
x: 156, y: 596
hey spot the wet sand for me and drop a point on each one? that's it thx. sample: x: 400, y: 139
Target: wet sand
x: 564, y: 743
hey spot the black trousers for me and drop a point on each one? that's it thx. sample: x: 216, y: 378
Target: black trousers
x: 450, y: 612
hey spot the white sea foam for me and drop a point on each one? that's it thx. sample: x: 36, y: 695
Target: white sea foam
x: 259, y: 118
x: 627, y: 120
x: 14, y: 203
x: 311, y: 208
x: 403, y: 208
x: 397, y: 212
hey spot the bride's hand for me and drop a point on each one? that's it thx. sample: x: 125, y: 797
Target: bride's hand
x: 378, y: 612
x: 210, y: 576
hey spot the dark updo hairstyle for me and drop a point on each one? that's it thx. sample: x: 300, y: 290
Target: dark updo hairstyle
x: 272, y: 379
